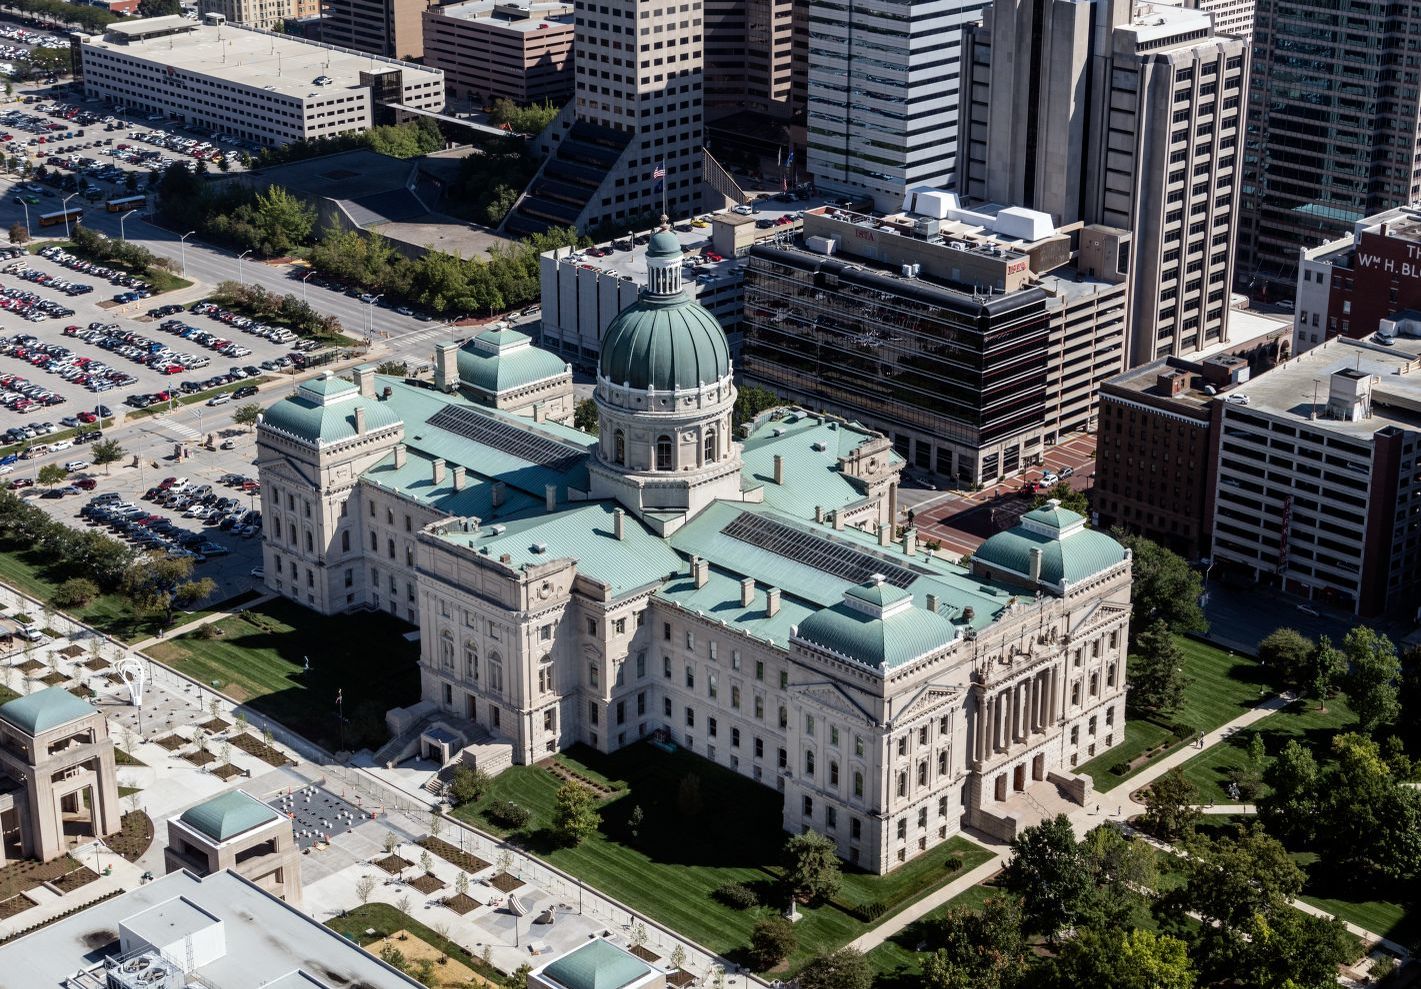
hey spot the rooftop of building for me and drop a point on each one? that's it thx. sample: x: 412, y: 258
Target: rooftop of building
x: 1160, y: 27
x: 263, y: 941
x: 598, y: 964
x: 501, y: 360
x: 251, y: 57
x: 228, y: 815
x: 1068, y: 551
x: 42, y: 710
x: 511, y: 15
x: 1299, y: 389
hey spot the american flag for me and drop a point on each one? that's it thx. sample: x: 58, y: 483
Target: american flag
x: 660, y: 171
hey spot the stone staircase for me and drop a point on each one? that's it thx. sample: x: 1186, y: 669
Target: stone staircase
x: 492, y: 755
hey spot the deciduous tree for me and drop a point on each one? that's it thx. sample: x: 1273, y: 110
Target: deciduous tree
x: 1120, y: 959
x: 843, y: 969
x: 771, y: 941
x: 1163, y: 588
x: 1288, y: 655
x: 575, y: 817
x: 1171, y: 805
x: 105, y: 453
x: 811, y: 867
x: 1049, y: 871
x: 247, y: 415
x: 1372, y: 678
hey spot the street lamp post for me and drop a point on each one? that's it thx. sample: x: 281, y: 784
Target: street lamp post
x: 370, y: 316
x: 28, y: 229
x: 65, y: 207
x: 305, y: 294
x: 182, y: 248
x: 121, y: 234
x: 241, y: 277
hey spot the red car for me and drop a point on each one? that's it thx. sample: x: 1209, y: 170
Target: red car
x: 85, y: 484
x: 167, y: 483
x: 87, y: 417
x: 22, y: 482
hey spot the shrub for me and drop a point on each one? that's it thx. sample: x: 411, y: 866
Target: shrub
x: 208, y: 631
x: 507, y: 814
x: 1120, y: 768
x: 1183, y: 731
x: 75, y: 592
x: 869, y: 912
x: 737, y: 895
x: 772, y: 941
x: 953, y: 863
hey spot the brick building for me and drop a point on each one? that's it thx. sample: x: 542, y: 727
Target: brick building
x: 510, y: 49
x: 1156, y: 448
x: 1347, y: 286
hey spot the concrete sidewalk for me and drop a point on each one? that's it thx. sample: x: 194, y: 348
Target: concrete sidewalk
x: 216, y: 616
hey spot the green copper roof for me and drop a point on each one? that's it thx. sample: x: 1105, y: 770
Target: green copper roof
x: 323, y: 411
x: 598, y: 964
x: 663, y: 245
x: 45, y: 709
x: 1069, y: 551
x: 877, y: 625
x: 586, y: 532
x: 228, y: 815
x: 666, y: 343
x: 809, y: 448
x: 501, y: 360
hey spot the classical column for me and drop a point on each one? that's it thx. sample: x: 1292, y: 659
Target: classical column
x: 979, y: 743
x: 999, y: 722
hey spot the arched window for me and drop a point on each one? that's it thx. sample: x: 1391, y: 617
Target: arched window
x: 620, y: 448
x: 709, y: 452
x: 663, y: 453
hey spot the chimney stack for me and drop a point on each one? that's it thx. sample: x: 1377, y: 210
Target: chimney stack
x: 747, y: 591
x: 540, y: 412
x: 1035, y: 564
x: 446, y: 366
x: 497, y: 494
x: 459, y: 474
x: 619, y: 523
x: 772, y: 602
x: 700, y: 571
x: 932, y: 603
x: 910, y: 542
x: 885, y: 533
x: 819, y: 513
x: 550, y: 493
x: 438, y: 470
x: 365, y: 380
x: 839, y: 519
x: 360, y: 420
x: 779, y: 469
x: 399, y: 455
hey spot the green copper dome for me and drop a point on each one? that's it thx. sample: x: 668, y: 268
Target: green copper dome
x: 665, y: 342
x: 663, y: 245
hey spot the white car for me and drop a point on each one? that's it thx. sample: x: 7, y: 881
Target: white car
x: 7, y: 468
x: 76, y: 465
x: 258, y: 573
x: 1049, y: 477
x: 60, y: 445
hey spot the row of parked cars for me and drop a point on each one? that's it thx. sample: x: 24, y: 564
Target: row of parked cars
x: 31, y: 307
x: 276, y: 334
x: 139, y: 348
x: 190, y: 146
x: 146, y: 529
x: 203, y: 503
x: 21, y: 395
x: 76, y: 369
x: 201, y: 337
x: 75, y: 263
x: 34, y: 276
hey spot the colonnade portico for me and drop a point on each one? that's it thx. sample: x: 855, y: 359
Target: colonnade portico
x: 1008, y: 715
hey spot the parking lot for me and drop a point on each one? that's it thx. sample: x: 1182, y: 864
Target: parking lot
x: 90, y: 350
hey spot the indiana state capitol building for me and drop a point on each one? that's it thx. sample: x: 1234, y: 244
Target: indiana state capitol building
x: 744, y: 597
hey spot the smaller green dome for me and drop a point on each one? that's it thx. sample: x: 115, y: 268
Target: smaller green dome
x: 228, y: 815
x: 666, y: 343
x: 45, y: 709
x: 323, y: 411
x: 663, y: 245
x: 497, y: 361
x: 877, y: 626
x: 1069, y: 552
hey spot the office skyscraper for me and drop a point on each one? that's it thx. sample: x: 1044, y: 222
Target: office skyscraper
x: 630, y: 141
x: 883, y: 88
x: 1123, y: 115
x: 1334, y: 126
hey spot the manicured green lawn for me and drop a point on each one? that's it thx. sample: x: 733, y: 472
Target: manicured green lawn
x: 897, y: 962
x: 108, y: 612
x: 260, y: 656
x: 1222, y: 686
x: 385, y: 920
x: 686, y: 849
x: 1301, y: 721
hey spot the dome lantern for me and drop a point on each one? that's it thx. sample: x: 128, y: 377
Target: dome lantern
x: 663, y: 262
